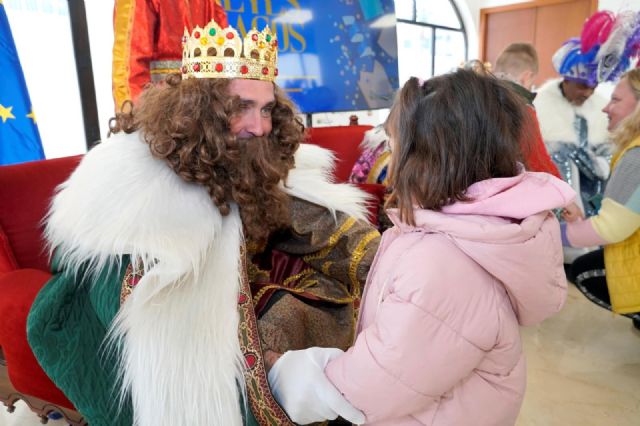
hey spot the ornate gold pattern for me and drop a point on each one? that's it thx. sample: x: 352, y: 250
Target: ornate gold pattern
x: 131, y: 278
x: 333, y: 239
x: 326, y: 266
x: 356, y: 258
x: 263, y: 406
x: 214, y: 52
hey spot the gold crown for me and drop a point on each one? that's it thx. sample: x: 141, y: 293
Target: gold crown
x: 213, y: 52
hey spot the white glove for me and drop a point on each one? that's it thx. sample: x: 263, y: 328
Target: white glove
x: 300, y: 386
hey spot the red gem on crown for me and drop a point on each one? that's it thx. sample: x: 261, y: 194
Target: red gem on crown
x: 196, y: 67
x: 275, y: 72
x: 229, y: 35
x: 219, y: 67
x: 244, y: 69
x: 265, y: 70
x: 196, y: 34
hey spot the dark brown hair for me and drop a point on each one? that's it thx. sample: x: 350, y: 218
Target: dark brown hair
x: 449, y: 133
x: 186, y: 123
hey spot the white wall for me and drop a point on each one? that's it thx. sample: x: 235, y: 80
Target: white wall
x: 100, y: 24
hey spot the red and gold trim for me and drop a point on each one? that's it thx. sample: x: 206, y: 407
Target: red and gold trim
x: 262, y: 403
x: 131, y: 278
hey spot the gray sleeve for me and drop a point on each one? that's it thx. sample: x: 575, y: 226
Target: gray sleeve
x: 624, y: 182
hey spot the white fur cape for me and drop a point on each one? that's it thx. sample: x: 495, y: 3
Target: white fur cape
x: 182, y: 362
x: 556, y: 116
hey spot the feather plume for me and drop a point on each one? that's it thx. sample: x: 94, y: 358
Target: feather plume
x: 611, y: 56
x: 596, y: 30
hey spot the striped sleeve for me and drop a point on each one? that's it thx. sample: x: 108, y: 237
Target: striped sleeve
x: 619, y: 216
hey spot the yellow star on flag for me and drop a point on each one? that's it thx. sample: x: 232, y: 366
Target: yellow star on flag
x: 31, y: 115
x: 5, y: 113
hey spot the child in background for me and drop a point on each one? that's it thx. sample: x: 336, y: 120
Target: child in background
x: 475, y: 253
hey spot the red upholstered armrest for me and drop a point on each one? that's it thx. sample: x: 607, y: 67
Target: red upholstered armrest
x: 344, y: 141
x: 7, y: 259
x: 25, y: 193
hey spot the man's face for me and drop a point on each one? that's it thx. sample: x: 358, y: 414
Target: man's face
x: 623, y: 102
x: 257, y: 100
x: 576, y: 93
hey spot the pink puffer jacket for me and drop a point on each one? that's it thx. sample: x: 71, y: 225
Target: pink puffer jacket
x: 438, y: 336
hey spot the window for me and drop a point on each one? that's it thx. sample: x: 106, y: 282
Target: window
x: 431, y: 38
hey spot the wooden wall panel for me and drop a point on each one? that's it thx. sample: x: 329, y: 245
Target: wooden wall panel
x: 555, y: 24
x: 544, y: 23
x: 503, y: 28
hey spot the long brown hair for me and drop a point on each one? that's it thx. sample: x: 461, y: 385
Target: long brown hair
x: 186, y: 123
x: 629, y: 127
x: 449, y: 133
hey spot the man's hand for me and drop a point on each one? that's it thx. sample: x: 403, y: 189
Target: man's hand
x: 300, y: 386
x: 572, y: 212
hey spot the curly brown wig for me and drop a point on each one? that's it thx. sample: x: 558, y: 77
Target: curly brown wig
x: 186, y: 123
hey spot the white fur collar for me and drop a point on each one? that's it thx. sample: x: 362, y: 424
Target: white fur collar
x: 556, y: 116
x: 311, y: 180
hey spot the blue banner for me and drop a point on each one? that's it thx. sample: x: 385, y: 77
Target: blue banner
x: 336, y: 55
x: 19, y: 137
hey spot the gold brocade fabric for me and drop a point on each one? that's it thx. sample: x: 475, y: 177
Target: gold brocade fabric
x: 318, y: 305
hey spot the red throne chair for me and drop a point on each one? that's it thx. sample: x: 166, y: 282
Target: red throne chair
x: 25, y: 192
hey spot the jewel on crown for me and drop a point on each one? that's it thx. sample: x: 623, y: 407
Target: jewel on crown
x: 214, y: 52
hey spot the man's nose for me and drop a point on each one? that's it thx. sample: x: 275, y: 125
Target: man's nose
x: 254, y: 124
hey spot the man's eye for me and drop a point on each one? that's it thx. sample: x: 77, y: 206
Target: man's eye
x: 266, y: 111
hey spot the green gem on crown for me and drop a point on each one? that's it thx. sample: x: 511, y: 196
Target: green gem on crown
x: 212, y: 32
x: 268, y: 38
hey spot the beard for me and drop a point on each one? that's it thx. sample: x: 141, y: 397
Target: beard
x: 255, y: 177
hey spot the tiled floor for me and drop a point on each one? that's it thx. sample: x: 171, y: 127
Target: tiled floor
x: 584, y: 369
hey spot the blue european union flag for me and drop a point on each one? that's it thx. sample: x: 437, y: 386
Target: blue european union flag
x: 19, y: 137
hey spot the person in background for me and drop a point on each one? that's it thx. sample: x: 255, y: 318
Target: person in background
x: 610, y: 276
x: 145, y: 35
x: 196, y: 244
x: 474, y: 254
x: 574, y: 130
x: 518, y: 65
x: 571, y: 119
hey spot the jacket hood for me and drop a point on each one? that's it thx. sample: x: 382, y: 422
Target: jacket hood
x: 509, y: 230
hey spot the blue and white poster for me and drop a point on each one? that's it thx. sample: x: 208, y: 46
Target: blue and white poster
x: 336, y: 55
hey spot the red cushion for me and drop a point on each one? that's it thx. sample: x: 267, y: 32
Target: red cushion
x: 7, y: 259
x: 18, y: 290
x: 344, y: 141
x: 25, y: 192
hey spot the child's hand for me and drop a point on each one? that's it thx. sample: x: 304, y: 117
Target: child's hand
x: 572, y: 213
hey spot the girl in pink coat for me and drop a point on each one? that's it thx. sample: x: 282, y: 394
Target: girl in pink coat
x: 475, y: 253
